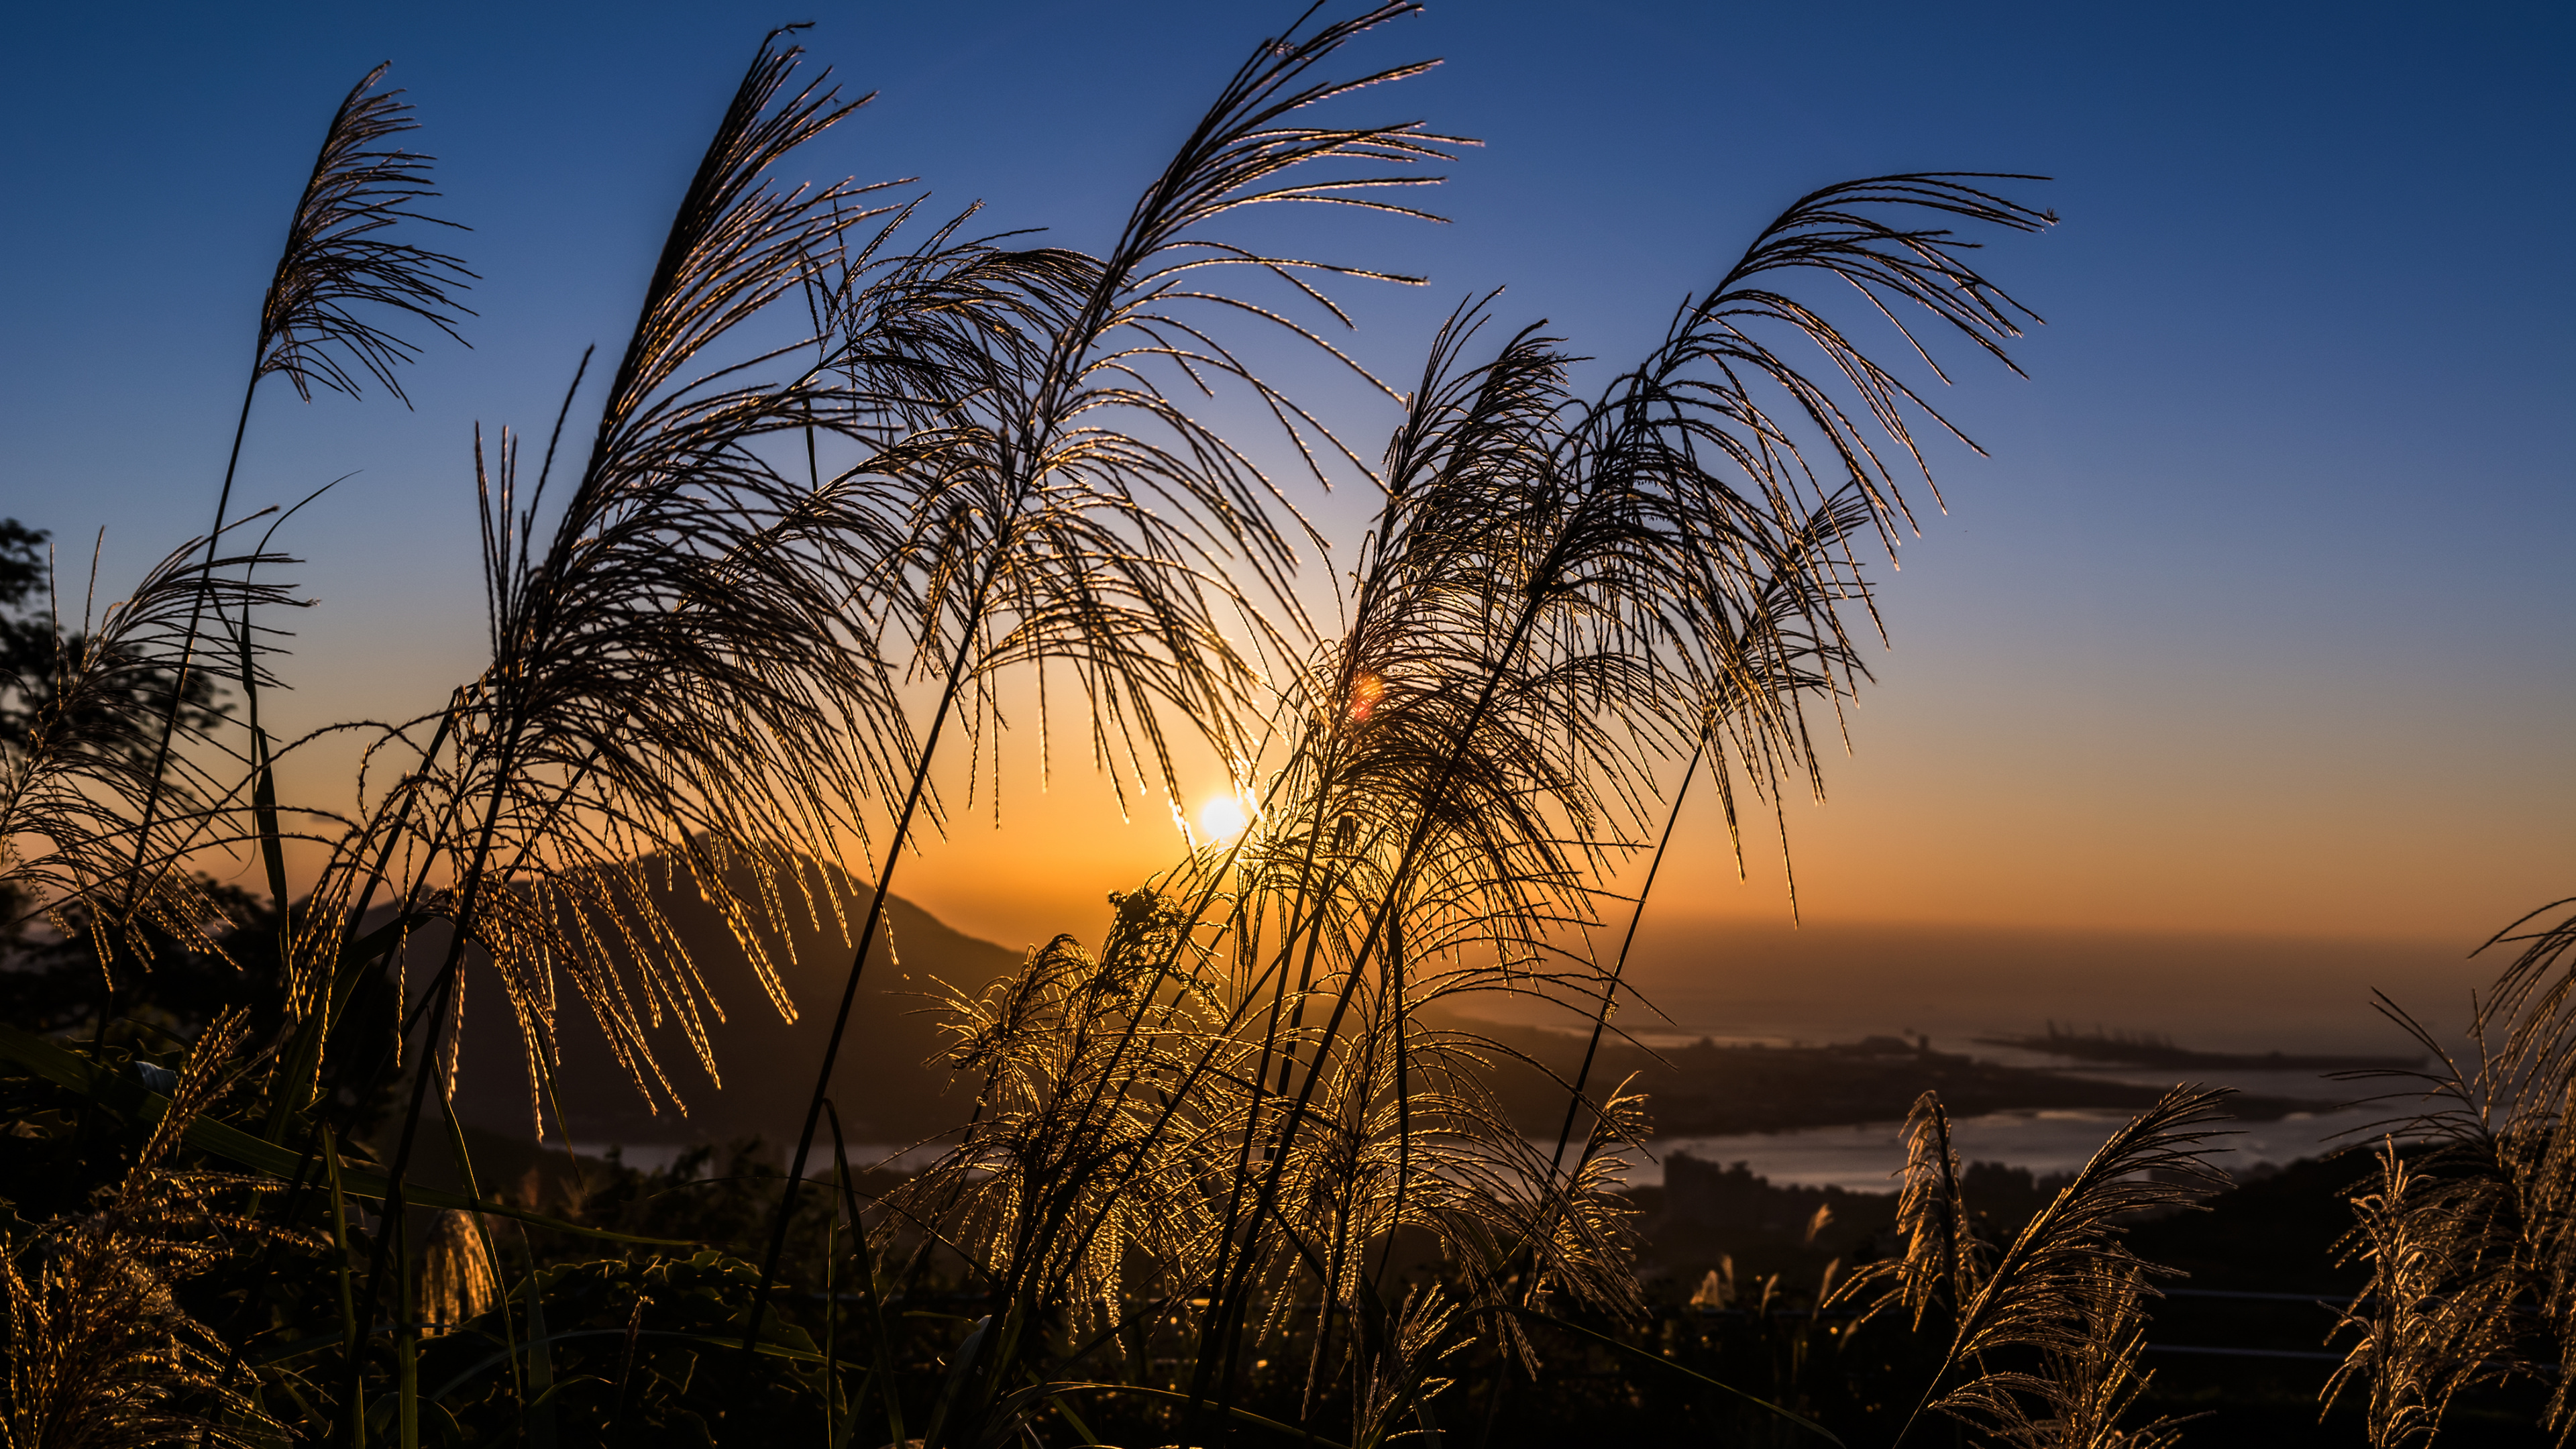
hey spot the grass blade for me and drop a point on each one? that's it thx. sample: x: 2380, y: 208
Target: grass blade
x: 1632, y: 1351
x: 539, y: 1401
x: 353, y: 1332
x: 123, y: 1094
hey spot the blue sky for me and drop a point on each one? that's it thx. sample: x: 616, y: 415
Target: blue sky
x: 2258, y: 618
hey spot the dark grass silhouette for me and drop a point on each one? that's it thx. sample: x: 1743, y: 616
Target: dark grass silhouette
x: 1234, y: 1170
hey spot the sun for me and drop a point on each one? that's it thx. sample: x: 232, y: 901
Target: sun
x: 1222, y: 819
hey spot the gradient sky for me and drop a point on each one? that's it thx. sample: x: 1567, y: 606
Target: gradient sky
x: 2259, y: 621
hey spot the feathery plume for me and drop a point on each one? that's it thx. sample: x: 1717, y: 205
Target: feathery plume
x: 2469, y: 1228
x: 102, y: 1353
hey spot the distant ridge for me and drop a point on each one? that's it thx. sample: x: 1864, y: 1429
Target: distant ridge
x: 1707, y: 1090
x: 890, y: 1085
x: 2151, y: 1049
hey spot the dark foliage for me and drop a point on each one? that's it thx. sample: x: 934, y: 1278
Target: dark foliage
x: 1231, y: 1171
x: 36, y: 661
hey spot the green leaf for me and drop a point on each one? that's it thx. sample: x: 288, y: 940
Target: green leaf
x: 1660, y: 1361
x: 538, y: 1418
x: 541, y: 1363
x: 351, y: 1327
x: 967, y: 1353
x: 881, y: 1346
x: 263, y: 799
x: 1243, y: 1416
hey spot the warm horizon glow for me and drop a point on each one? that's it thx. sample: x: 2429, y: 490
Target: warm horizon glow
x: 2276, y: 675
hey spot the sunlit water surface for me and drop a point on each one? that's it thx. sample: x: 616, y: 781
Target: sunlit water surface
x: 1864, y: 1157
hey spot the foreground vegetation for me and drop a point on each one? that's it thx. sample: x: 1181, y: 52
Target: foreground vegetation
x: 1231, y: 1172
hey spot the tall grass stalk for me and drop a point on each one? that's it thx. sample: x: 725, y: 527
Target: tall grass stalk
x: 2468, y: 1225
x: 1067, y: 510
x: 1239, y: 1149
x: 333, y: 260
x: 1580, y: 578
x: 91, y: 813
x: 668, y: 693
x: 2064, y: 1289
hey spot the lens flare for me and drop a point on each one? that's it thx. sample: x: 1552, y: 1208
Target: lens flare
x: 1366, y: 691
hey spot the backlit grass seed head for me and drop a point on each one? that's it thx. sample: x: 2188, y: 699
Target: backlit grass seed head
x: 78, y: 822
x: 2469, y: 1229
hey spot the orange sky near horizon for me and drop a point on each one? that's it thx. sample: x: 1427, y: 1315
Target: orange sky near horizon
x: 1946, y: 813
x: 2240, y: 626
x: 2003, y: 774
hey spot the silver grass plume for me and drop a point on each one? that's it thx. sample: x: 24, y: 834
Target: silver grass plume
x: 1588, y: 579
x: 1591, y: 589
x: 1408, y: 1135
x: 1431, y: 768
x: 76, y: 817
x: 1439, y: 810
x: 1510, y: 803
x: 1945, y: 1259
x: 102, y: 1355
x: 1031, y: 1166
x: 2469, y: 1228
x: 2437, y: 1317
x: 1602, y: 586
x: 1068, y: 510
x: 1751, y: 717
x: 335, y: 259
x: 1107, y: 1143
x: 2065, y: 1288
x: 670, y: 703
x: 457, y: 1281
x: 2082, y: 1390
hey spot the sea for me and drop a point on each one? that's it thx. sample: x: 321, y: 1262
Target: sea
x: 1864, y: 1157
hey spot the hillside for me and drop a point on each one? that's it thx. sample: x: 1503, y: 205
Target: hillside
x: 891, y: 1087
x: 1707, y: 1090
x: 887, y: 1087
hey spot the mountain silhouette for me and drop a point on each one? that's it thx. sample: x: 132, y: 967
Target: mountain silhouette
x: 892, y: 1084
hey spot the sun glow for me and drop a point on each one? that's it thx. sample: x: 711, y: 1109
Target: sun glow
x: 1222, y: 819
